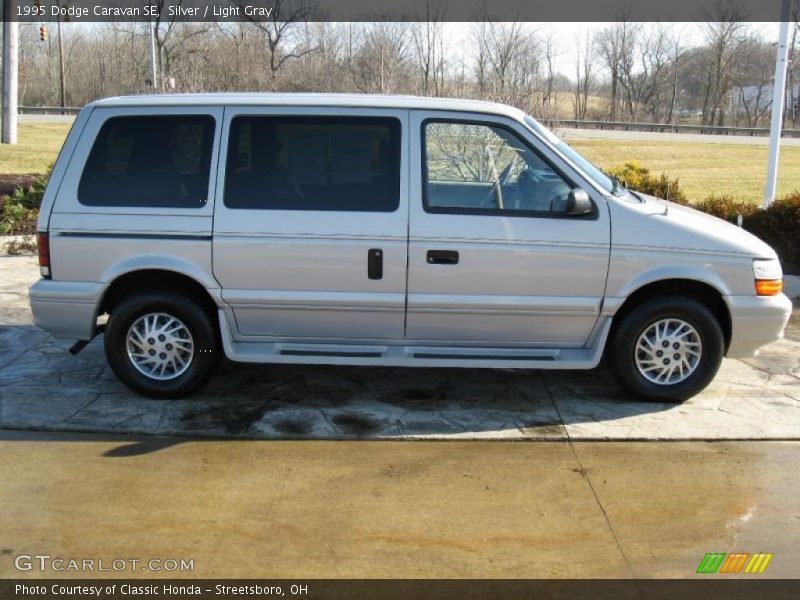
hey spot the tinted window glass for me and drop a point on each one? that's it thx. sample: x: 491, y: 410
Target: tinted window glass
x: 472, y: 167
x: 594, y: 172
x: 158, y: 161
x: 313, y: 163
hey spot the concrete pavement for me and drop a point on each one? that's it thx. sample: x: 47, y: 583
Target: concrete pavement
x: 46, y: 118
x: 397, y: 509
x: 43, y: 387
x: 310, y: 508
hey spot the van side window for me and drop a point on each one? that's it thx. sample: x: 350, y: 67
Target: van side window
x: 149, y: 161
x: 486, y: 169
x: 313, y: 163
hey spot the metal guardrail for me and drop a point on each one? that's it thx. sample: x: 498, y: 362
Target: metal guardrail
x: 670, y: 128
x: 48, y: 110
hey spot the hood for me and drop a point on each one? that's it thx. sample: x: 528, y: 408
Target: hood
x: 645, y: 224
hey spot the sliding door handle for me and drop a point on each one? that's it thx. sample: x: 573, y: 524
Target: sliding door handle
x: 375, y: 263
x: 442, y: 257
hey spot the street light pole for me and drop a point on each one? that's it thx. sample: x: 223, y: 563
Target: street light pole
x: 778, y: 93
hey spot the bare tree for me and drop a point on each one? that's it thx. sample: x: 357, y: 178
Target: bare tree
x: 649, y: 86
x: 549, y: 100
x: 281, y: 34
x: 632, y: 72
x: 751, y: 76
x: 677, y: 64
x: 584, y: 76
x: 508, y: 64
x: 614, y: 45
x: 428, y: 44
x: 382, y: 62
x: 656, y: 75
x: 793, y: 101
x: 722, y: 35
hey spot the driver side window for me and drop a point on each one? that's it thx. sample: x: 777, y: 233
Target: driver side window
x: 481, y: 168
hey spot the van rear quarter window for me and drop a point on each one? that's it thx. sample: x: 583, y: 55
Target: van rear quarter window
x: 150, y: 161
x: 313, y: 163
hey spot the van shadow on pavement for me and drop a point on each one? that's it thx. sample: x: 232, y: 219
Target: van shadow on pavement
x: 43, y: 387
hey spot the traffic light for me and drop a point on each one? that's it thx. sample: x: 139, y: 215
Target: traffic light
x: 43, y: 33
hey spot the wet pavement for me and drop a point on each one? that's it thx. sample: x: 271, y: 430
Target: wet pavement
x: 43, y: 387
x: 310, y: 508
x: 296, y: 509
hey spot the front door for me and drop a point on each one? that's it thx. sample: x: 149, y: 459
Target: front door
x: 493, y: 258
x: 311, y: 223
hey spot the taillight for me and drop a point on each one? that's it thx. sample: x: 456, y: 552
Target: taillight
x: 43, y: 245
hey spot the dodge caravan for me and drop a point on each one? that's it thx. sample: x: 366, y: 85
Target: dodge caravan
x: 377, y: 230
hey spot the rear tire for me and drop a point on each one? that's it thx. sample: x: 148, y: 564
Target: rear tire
x: 666, y: 349
x: 161, y: 344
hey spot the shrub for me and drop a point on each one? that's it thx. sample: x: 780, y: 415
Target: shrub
x: 639, y: 179
x: 16, y: 219
x: 18, y: 212
x: 30, y: 196
x: 779, y: 226
x: 725, y: 207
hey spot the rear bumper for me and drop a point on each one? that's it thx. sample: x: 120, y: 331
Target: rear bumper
x: 67, y: 309
x: 756, y: 321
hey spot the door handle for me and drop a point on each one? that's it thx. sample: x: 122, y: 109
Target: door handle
x: 375, y: 263
x: 442, y: 257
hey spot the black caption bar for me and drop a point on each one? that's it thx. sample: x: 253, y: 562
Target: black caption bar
x: 395, y: 10
x: 418, y: 589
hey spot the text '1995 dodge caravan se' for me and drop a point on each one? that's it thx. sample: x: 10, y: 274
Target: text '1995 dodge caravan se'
x: 377, y: 230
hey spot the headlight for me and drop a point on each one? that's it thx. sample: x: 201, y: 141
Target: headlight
x: 768, y: 277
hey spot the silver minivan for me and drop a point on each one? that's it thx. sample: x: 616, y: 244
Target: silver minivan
x: 378, y: 230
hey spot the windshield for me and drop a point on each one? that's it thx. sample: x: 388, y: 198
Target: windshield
x: 592, y: 171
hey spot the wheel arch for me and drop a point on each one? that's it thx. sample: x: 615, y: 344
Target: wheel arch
x: 702, y: 291
x: 158, y: 279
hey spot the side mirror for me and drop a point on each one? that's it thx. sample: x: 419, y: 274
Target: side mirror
x: 578, y: 203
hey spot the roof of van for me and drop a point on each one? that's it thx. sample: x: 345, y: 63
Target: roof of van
x: 328, y: 100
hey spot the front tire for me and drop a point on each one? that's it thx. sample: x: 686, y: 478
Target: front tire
x: 161, y: 344
x: 666, y: 349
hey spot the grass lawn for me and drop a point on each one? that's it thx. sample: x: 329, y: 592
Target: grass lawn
x: 36, y: 149
x: 702, y: 168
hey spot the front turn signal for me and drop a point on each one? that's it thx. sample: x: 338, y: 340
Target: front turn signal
x: 769, y: 287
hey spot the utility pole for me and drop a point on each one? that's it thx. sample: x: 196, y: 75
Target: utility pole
x: 778, y: 93
x: 61, y: 63
x: 10, y: 78
x: 153, y: 72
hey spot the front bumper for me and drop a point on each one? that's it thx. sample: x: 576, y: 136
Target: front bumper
x: 67, y: 309
x: 755, y: 322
